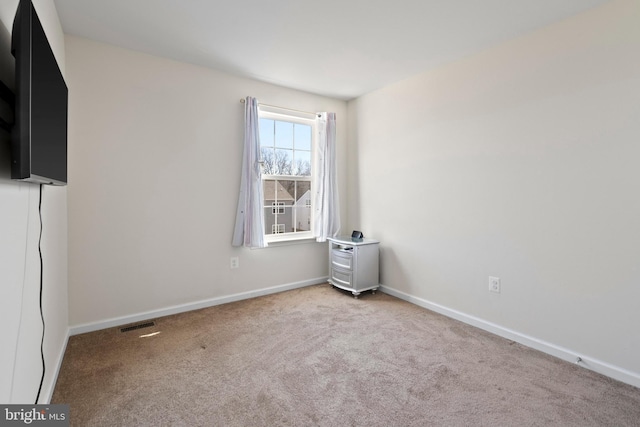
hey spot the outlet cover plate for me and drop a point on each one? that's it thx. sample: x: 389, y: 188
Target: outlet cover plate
x: 494, y: 284
x: 235, y: 262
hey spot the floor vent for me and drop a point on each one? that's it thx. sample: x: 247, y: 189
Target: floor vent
x: 138, y: 326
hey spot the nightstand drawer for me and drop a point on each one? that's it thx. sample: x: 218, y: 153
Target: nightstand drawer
x: 341, y: 258
x: 341, y: 277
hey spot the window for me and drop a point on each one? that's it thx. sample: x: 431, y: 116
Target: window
x: 286, y: 147
x: 277, y: 208
x: 277, y: 228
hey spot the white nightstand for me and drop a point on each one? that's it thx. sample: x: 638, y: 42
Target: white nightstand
x: 353, y: 264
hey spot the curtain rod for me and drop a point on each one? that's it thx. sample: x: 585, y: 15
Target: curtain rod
x: 283, y: 108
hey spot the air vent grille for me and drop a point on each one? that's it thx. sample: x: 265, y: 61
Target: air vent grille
x: 138, y: 326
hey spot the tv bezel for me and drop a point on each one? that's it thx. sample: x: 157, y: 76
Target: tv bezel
x: 26, y: 27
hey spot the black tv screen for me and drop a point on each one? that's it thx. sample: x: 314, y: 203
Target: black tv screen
x: 39, y: 135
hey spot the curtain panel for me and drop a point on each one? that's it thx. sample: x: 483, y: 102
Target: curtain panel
x: 326, y: 201
x: 249, y: 228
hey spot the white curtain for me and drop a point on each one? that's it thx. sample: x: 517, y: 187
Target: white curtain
x: 249, y: 229
x: 326, y: 202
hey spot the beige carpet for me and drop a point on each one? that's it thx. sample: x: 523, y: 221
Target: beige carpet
x: 318, y: 357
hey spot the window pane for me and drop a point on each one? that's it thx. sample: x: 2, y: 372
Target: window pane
x: 266, y: 132
x: 283, y: 162
x: 302, y: 217
x: 302, y: 163
x: 284, y: 134
x: 302, y: 137
x: 303, y: 192
x: 277, y: 223
x: 270, y: 220
x: 268, y: 160
x: 269, y: 191
x: 287, y: 219
x: 286, y: 191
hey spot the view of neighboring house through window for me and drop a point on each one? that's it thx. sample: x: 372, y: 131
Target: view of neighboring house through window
x: 285, y: 147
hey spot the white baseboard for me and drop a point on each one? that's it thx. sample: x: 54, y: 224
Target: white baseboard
x: 585, y: 361
x: 118, y: 321
x: 47, y: 392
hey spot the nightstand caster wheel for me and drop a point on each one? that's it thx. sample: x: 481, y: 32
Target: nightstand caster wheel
x: 356, y: 295
x: 373, y: 291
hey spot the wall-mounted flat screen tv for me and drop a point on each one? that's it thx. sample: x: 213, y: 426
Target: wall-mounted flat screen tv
x: 39, y: 135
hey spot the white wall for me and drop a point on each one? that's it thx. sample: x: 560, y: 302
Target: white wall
x: 520, y: 162
x: 20, y: 360
x: 154, y: 151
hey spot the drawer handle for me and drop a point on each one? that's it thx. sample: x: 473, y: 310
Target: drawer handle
x: 341, y: 281
x: 347, y: 266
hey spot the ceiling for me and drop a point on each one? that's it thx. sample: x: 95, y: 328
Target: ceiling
x: 338, y: 48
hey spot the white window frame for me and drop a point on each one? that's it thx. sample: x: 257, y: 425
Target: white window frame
x: 286, y: 115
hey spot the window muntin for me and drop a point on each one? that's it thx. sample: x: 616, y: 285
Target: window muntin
x: 286, y: 144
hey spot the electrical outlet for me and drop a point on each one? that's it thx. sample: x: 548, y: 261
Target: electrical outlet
x: 494, y: 284
x: 235, y: 262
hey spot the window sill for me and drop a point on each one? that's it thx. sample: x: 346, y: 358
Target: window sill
x: 290, y: 241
